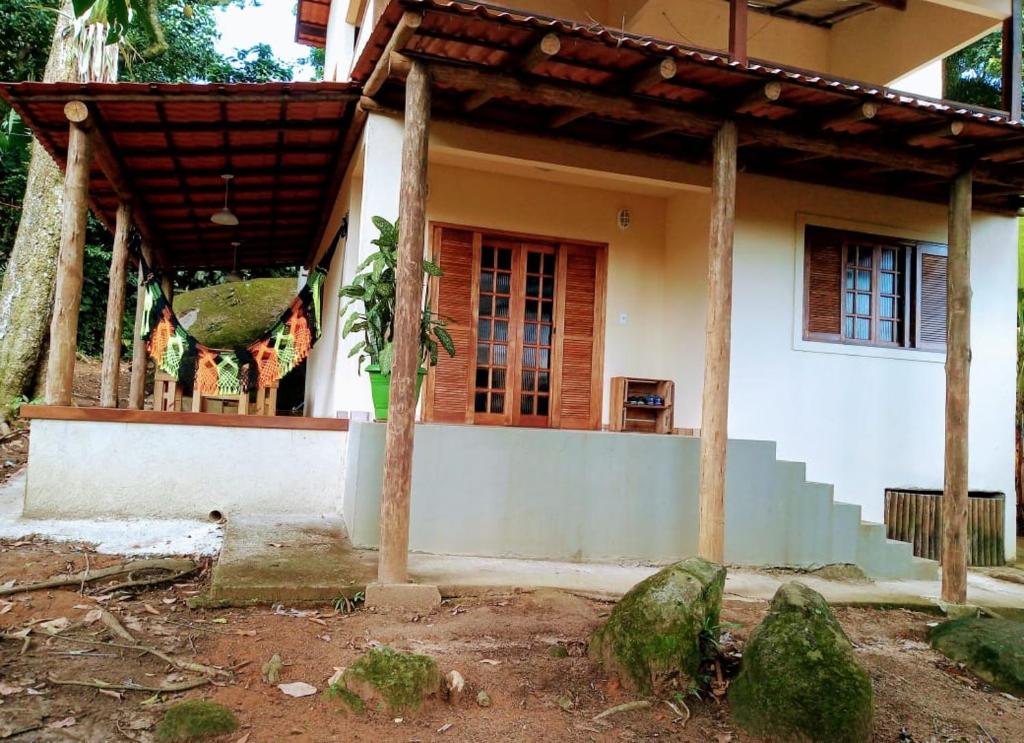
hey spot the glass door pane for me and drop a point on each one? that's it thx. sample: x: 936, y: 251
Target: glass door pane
x: 493, y: 330
x: 537, y: 332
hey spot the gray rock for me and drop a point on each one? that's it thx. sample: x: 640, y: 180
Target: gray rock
x: 653, y: 639
x: 992, y: 648
x: 799, y: 679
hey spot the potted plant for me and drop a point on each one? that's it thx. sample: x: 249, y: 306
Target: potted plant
x: 370, y: 310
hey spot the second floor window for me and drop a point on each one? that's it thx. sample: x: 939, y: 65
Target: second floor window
x: 874, y: 290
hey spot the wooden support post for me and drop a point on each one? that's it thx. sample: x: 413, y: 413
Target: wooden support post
x: 137, y: 387
x: 167, y: 286
x: 738, y: 31
x: 714, y: 432
x: 111, y: 367
x: 1012, y: 84
x: 958, y: 367
x: 394, y: 506
x: 60, y: 375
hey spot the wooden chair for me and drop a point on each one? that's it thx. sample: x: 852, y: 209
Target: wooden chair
x: 266, y: 400
x: 201, y: 401
x: 166, y: 393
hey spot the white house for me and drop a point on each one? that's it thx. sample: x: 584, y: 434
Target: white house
x: 570, y: 193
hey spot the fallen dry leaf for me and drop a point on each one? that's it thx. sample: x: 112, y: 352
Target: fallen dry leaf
x: 6, y: 689
x: 111, y: 693
x: 339, y: 671
x: 491, y: 662
x: 65, y: 723
x: 150, y: 610
x: 54, y: 626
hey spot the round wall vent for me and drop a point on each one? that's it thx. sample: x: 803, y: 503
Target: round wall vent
x: 624, y: 219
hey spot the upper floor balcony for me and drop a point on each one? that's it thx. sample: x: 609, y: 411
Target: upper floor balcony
x: 872, y: 41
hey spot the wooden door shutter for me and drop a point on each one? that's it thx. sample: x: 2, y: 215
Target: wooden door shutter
x: 579, y: 337
x: 447, y: 394
x: 823, y: 274
x: 931, y: 297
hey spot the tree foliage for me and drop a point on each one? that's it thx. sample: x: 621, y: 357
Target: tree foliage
x: 975, y: 73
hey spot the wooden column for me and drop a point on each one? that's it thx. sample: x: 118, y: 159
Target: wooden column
x: 958, y: 367
x: 1012, y: 61
x: 715, y: 402
x: 137, y: 387
x: 394, y: 507
x: 167, y: 286
x: 111, y: 367
x: 738, y: 31
x: 60, y: 375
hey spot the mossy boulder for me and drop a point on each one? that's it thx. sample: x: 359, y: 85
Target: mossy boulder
x: 196, y: 719
x: 392, y: 680
x: 653, y: 639
x: 992, y: 648
x: 237, y: 312
x: 799, y: 679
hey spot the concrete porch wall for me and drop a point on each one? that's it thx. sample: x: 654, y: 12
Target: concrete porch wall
x: 89, y: 469
x: 598, y: 496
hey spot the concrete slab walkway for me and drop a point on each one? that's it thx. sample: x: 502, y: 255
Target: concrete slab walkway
x: 273, y: 560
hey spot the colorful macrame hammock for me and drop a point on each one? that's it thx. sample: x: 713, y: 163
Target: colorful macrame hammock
x: 215, y: 371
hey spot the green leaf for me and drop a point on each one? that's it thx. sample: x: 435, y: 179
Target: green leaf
x: 386, y: 360
x: 446, y: 340
x: 432, y: 269
x: 357, y: 348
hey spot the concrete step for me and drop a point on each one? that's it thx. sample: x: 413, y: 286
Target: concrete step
x: 288, y: 559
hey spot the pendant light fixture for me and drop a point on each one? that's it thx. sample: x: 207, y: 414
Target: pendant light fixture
x: 224, y: 216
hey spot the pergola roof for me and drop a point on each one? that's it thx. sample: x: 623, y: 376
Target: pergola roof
x: 169, y: 144
x: 617, y: 89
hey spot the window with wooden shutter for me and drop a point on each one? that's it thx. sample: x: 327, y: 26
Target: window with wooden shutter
x: 931, y: 297
x: 579, y: 341
x: 823, y: 266
x: 527, y: 318
x: 446, y: 397
x: 873, y: 290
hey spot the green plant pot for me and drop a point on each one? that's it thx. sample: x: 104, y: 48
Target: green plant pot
x: 380, y: 390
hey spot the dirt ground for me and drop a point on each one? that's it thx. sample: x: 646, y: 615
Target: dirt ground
x: 500, y: 643
x: 14, y: 445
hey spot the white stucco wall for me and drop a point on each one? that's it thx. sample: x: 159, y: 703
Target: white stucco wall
x: 84, y: 469
x: 862, y: 419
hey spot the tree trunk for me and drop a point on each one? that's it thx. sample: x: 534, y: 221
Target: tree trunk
x: 26, y: 297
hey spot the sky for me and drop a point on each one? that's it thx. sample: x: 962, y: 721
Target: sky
x: 271, y: 22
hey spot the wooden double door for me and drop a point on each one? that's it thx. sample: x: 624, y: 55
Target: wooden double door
x: 527, y: 318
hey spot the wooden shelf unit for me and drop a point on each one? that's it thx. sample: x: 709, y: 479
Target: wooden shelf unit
x: 626, y: 416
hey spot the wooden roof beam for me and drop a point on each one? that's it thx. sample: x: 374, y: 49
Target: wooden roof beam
x: 407, y: 26
x: 949, y: 129
x: 767, y: 93
x: 661, y: 71
x: 105, y: 156
x: 865, y: 111
x: 652, y: 131
x: 566, y: 117
x: 546, y: 47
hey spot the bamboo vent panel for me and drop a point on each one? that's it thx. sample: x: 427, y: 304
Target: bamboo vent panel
x: 915, y: 516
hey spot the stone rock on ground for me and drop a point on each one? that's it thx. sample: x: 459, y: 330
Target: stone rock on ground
x: 992, y: 648
x: 194, y: 720
x: 653, y: 639
x: 392, y: 680
x: 799, y: 679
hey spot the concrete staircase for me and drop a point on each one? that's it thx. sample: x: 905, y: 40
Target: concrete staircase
x: 821, y: 530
